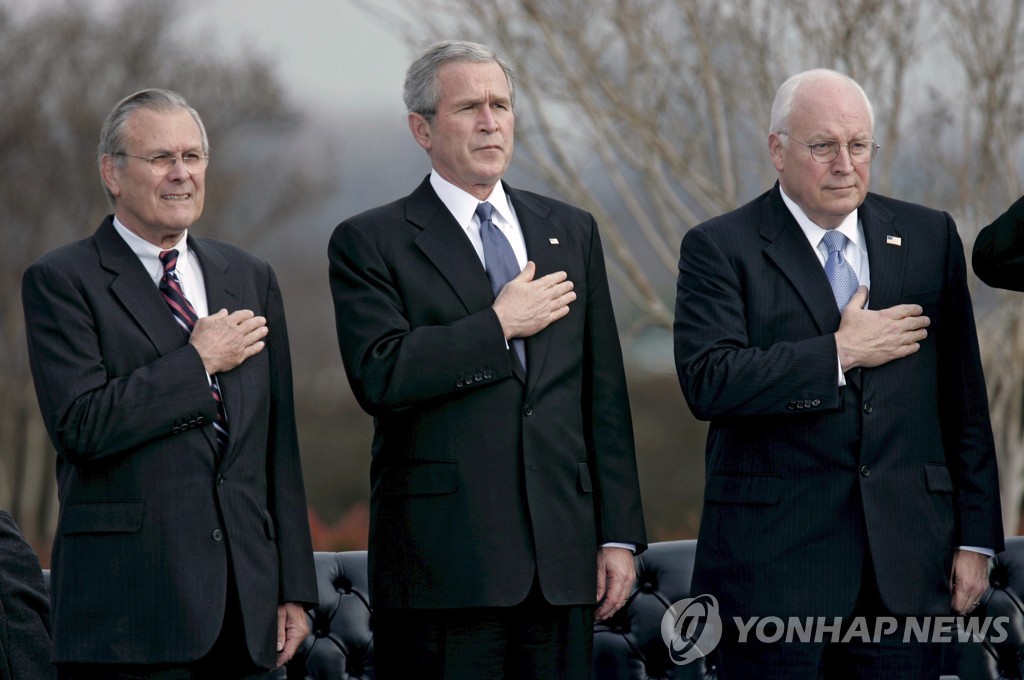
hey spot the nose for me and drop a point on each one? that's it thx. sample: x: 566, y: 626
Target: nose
x: 488, y: 121
x: 178, y: 170
x: 843, y: 162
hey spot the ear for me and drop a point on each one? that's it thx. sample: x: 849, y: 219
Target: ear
x: 420, y: 128
x: 109, y: 173
x: 777, y: 151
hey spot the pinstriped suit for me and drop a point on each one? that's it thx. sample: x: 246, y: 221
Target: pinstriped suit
x: 805, y: 479
x: 150, y: 517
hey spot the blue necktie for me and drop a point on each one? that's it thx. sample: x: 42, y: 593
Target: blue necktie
x: 499, y: 261
x: 839, y: 272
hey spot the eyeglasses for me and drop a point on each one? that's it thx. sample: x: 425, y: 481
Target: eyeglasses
x: 861, y: 150
x: 161, y: 164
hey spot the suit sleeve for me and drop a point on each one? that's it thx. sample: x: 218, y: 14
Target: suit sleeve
x: 998, y: 257
x: 720, y: 370
x: 383, y: 353
x: 25, y: 644
x: 89, y: 413
x: 966, y: 427
x: 608, y: 425
x: 287, y: 499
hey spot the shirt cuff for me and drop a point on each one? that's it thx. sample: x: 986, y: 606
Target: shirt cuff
x: 987, y: 552
x: 631, y: 547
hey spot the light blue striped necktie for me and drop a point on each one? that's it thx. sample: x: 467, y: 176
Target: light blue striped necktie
x: 839, y: 272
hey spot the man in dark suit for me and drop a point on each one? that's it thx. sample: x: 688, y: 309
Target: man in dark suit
x: 850, y: 462
x: 183, y: 547
x: 998, y: 256
x: 504, y: 492
x: 25, y: 643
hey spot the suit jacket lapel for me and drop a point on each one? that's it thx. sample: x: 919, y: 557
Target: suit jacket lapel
x: 886, y: 261
x: 446, y: 245
x: 539, y: 230
x: 134, y: 289
x: 788, y: 248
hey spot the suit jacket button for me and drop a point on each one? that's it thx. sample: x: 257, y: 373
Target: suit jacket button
x: 867, y: 408
x: 175, y: 430
x: 488, y: 375
x: 865, y: 471
x: 791, y: 405
x: 192, y: 423
x: 217, y: 535
x: 200, y: 420
x: 459, y: 382
x: 478, y: 377
x: 816, y: 402
x: 220, y: 479
x: 527, y: 410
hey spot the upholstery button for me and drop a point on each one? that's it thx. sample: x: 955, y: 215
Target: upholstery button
x: 217, y: 535
x: 527, y: 410
x: 865, y: 471
x: 867, y: 408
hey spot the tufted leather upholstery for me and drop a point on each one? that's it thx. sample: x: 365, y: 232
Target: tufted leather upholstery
x: 629, y: 645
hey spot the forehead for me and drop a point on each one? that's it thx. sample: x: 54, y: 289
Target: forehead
x: 468, y: 79
x: 162, y: 130
x: 830, y: 107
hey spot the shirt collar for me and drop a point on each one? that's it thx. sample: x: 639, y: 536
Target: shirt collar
x: 462, y: 205
x: 814, y: 233
x: 149, y: 254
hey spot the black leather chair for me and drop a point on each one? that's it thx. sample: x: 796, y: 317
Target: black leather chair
x: 629, y: 645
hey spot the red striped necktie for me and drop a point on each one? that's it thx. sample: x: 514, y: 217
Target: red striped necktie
x: 185, y: 315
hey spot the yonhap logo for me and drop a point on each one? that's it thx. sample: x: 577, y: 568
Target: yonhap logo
x: 691, y: 628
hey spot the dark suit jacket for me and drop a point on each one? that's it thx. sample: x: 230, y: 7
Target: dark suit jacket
x: 480, y: 480
x: 807, y: 481
x: 999, y: 250
x: 25, y: 644
x: 149, y: 518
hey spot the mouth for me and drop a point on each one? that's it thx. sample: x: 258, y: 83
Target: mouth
x: 176, y: 197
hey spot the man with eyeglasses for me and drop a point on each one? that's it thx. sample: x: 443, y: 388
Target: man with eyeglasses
x: 827, y: 334
x: 162, y: 369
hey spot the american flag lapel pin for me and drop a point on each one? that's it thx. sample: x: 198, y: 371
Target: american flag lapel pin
x: 893, y: 240
x: 553, y: 241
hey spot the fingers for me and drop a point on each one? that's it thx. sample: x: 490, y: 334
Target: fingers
x: 292, y: 628
x: 226, y: 340
x: 859, y: 299
x: 968, y: 580
x: 615, y: 576
x: 282, y: 616
x: 526, y: 305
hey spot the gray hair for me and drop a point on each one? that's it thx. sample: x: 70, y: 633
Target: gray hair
x: 785, y: 98
x: 422, y: 92
x: 112, y: 140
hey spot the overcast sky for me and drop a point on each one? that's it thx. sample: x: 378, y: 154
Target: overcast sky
x: 331, y: 54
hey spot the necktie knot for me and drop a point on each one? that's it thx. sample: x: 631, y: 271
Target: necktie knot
x: 834, y: 240
x: 484, y: 212
x: 169, y: 259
